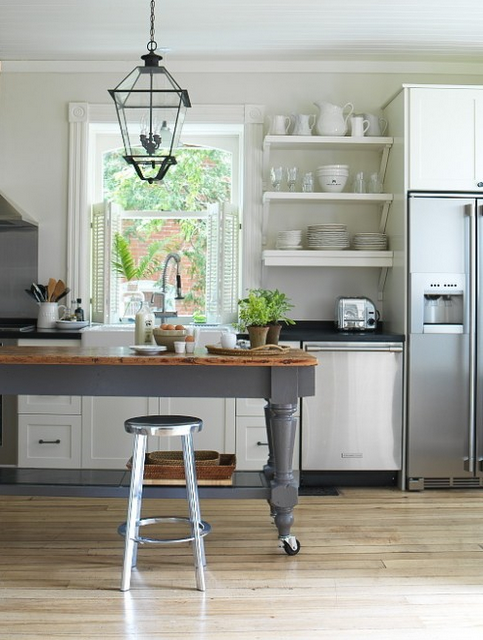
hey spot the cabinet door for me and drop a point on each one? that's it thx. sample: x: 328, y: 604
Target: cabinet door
x: 51, y: 441
x: 218, y: 415
x: 105, y: 443
x: 445, y: 138
x: 252, y: 446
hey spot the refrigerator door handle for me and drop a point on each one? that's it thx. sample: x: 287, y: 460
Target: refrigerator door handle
x: 470, y: 463
x: 364, y: 347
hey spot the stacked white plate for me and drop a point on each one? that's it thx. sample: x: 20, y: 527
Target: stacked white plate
x: 369, y: 241
x: 289, y: 239
x: 327, y: 237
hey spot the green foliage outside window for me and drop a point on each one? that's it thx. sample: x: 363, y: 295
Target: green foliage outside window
x: 200, y: 177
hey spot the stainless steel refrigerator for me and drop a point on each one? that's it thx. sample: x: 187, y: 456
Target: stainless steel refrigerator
x: 445, y: 342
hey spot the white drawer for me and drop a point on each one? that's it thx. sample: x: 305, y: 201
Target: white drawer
x: 252, y: 446
x: 49, y: 441
x: 63, y: 405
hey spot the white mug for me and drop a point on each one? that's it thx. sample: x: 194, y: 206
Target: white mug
x: 228, y: 340
x: 279, y: 125
x: 377, y: 124
x: 359, y: 126
x: 48, y: 314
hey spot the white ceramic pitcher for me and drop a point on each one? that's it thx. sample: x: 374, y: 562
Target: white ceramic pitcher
x: 303, y: 124
x: 331, y: 120
x: 279, y: 125
x: 377, y: 124
x: 49, y: 314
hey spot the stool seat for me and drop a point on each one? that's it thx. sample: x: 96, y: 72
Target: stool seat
x: 162, y: 425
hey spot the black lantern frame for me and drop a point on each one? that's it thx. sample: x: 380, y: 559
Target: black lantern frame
x: 151, y: 107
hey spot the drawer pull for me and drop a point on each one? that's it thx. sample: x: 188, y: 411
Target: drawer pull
x: 49, y: 441
x: 262, y: 444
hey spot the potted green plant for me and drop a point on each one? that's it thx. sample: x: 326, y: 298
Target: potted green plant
x: 254, y: 317
x: 124, y: 265
x: 279, y: 305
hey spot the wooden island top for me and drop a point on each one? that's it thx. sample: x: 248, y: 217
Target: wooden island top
x: 114, y: 356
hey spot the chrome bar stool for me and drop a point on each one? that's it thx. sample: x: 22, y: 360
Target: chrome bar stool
x: 142, y: 427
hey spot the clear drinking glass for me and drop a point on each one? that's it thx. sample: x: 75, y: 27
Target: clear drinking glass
x: 292, y: 173
x: 276, y: 175
x: 308, y: 182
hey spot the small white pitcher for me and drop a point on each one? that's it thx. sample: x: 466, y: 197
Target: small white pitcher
x: 377, y: 124
x: 49, y: 314
x: 279, y: 125
x: 303, y: 124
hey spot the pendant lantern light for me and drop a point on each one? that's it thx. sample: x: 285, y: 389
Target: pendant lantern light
x: 151, y: 107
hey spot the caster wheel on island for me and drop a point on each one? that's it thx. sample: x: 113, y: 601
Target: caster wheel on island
x: 291, y: 550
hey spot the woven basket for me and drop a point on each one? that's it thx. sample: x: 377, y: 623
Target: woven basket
x: 160, y: 471
x: 175, y: 458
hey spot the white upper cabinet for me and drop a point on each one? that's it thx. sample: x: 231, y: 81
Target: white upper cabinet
x: 445, y: 138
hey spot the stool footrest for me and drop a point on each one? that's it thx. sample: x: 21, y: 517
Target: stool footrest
x: 205, y: 529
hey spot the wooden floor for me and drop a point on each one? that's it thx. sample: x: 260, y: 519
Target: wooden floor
x: 375, y: 564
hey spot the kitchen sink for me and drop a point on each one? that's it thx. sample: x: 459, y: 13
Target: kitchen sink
x: 122, y: 335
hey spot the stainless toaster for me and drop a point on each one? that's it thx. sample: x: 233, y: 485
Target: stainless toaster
x: 355, y: 314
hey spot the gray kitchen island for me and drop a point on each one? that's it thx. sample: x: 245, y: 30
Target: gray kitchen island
x: 281, y: 378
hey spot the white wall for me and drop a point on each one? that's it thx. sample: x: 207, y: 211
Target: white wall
x: 34, y: 142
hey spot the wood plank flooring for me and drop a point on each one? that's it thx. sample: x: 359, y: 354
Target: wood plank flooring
x: 376, y: 564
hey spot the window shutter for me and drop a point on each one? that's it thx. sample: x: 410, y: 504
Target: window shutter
x: 106, y: 220
x: 222, y: 262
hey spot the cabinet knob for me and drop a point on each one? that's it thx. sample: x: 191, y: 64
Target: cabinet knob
x: 479, y: 184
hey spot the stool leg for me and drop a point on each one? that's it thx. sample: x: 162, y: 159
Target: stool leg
x: 194, y: 510
x: 134, y: 510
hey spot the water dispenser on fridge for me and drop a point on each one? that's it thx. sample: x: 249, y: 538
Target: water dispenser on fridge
x: 437, y: 303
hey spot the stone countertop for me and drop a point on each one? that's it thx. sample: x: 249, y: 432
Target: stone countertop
x: 302, y: 331
x: 325, y: 331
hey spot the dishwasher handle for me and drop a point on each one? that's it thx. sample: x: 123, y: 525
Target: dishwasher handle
x: 395, y: 347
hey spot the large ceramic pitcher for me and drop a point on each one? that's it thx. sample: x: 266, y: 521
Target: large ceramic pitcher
x: 332, y: 120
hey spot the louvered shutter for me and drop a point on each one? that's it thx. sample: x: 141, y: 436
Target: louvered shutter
x: 105, y: 288
x: 222, y: 262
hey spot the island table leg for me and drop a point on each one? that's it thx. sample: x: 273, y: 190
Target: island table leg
x: 281, y: 428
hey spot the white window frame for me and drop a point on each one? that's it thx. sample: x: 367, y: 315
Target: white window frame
x: 83, y: 114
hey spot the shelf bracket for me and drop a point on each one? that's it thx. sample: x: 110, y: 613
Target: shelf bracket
x: 384, y: 160
x: 384, y: 216
x: 382, y: 283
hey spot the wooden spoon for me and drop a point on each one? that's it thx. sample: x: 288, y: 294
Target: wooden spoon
x: 50, y: 289
x: 58, y: 290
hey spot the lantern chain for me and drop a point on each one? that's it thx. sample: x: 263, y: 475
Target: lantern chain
x: 152, y: 44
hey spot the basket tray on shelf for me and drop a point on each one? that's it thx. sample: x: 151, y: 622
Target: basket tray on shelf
x: 166, y: 467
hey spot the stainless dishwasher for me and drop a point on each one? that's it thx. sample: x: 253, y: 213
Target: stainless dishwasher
x: 354, y: 421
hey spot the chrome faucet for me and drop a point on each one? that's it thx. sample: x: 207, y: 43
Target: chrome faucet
x: 162, y: 312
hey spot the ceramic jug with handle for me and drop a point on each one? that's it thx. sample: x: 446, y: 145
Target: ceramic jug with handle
x: 49, y: 314
x: 302, y: 124
x: 332, y: 120
x: 279, y: 125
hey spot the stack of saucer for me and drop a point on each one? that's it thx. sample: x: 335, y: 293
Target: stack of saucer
x: 289, y: 239
x: 328, y: 237
x: 369, y: 241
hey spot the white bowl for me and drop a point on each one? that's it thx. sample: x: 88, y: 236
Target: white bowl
x: 324, y: 167
x: 332, y: 183
x: 333, y: 172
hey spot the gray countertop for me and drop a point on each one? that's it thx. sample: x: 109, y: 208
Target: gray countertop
x: 302, y: 331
